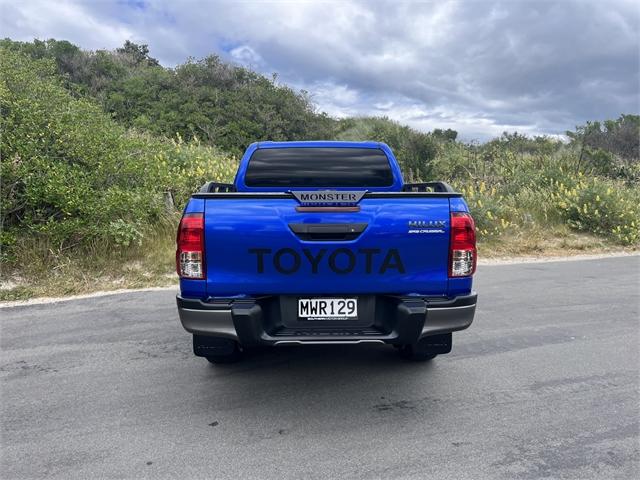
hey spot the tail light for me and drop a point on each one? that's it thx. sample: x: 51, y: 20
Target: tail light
x: 190, y: 251
x: 462, y: 251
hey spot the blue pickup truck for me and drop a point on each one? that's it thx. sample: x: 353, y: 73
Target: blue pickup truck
x: 324, y: 243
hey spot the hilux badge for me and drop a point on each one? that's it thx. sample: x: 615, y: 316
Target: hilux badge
x: 426, y: 226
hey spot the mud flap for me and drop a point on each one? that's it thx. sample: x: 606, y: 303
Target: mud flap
x: 436, y: 344
x: 205, y: 346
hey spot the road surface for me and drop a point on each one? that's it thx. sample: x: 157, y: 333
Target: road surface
x: 544, y: 384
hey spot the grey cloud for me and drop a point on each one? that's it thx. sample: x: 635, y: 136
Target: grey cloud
x: 479, y: 66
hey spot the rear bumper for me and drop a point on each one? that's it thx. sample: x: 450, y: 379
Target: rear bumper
x: 395, y: 320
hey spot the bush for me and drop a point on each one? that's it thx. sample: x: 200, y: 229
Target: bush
x: 600, y: 206
x: 190, y: 164
x: 509, y: 191
x: 221, y: 103
x: 71, y: 175
x: 493, y: 215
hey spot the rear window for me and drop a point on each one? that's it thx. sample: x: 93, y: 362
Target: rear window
x: 318, y: 167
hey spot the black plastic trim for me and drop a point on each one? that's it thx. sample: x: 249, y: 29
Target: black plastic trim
x: 217, y: 187
x: 279, y: 195
x: 327, y: 231
x: 197, y: 304
x: 428, y: 187
x: 459, y: 301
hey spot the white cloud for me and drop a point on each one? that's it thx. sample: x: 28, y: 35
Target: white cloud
x: 247, y: 56
x: 337, y: 100
x: 61, y: 19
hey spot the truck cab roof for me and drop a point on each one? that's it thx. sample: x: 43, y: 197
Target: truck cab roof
x: 318, y: 143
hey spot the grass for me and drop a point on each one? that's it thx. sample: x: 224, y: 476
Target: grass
x: 558, y: 240
x: 48, y: 273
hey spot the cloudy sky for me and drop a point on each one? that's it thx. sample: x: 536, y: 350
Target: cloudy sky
x: 480, y: 67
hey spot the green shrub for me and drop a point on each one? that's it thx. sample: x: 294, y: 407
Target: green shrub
x: 71, y: 175
x: 600, y: 206
x: 509, y: 192
x: 493, y: 215
x: 223, y: 104
x: 190, y: 164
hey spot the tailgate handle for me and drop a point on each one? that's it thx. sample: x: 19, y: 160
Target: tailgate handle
x: 315, y: 232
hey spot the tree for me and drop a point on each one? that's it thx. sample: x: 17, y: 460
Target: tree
x: 137, y: 54
x: 611, y: 147
x: 447, y: 135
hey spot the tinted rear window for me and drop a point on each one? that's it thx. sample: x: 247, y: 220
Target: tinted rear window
x: 318, y: 167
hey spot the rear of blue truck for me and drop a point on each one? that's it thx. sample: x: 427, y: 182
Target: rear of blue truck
x: 323, y: 243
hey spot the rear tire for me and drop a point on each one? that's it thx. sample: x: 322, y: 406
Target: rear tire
x: 427, y: 348
x: 217, y: 350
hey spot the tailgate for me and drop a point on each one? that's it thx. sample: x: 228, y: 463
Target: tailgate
x: 258, y: 246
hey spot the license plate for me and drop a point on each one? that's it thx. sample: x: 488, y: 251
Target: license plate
x: 328, y: 308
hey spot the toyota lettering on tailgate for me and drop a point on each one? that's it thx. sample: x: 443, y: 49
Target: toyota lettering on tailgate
x: 341, y: 260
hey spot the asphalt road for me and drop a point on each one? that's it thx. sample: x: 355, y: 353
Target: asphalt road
x: 545, y: 384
